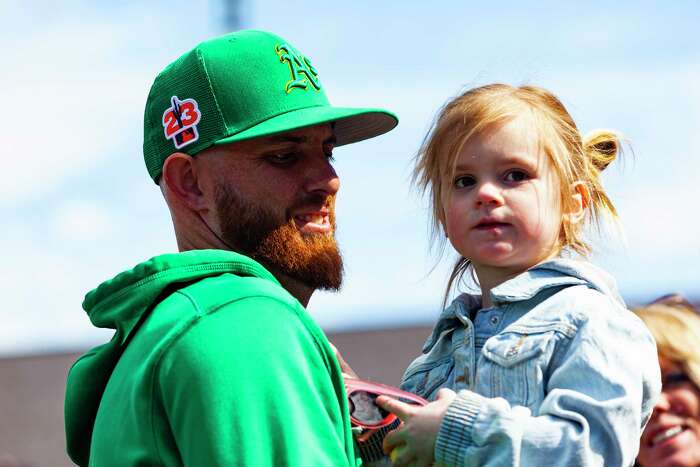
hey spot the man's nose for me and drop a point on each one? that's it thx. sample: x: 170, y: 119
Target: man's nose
x: 488, y: 193
x: 322, y: 177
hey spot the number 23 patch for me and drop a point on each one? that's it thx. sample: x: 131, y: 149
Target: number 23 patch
x: 180, y: 121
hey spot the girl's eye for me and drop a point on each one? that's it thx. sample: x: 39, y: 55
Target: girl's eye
x: 515, y: 176
x: 674, y: 380
x: 464, y: 181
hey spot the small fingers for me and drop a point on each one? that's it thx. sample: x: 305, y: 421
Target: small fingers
x: 427, y: 461
x: 398, y: 408
x: 445, y: 393
x: 392, y: 440
x: 393, y: 454
x: 401, y: 456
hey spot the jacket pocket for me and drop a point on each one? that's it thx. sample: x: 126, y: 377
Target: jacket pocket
x: 513, y: 367
x: 427, y: 378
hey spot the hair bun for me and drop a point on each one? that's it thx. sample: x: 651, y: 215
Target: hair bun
x: 602, y: 146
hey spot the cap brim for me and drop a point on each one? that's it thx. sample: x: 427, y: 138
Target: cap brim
x: 351, y: 124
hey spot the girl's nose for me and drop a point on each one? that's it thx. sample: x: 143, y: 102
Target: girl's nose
x: 488, y: 194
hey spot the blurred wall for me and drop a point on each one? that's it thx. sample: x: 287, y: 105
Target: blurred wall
x: 32, y: 390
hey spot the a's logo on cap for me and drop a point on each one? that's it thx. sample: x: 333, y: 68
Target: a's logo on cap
x: 298, y: 66
x: 180, y: 121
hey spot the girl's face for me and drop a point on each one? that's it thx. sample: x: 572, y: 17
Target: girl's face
x: 672, y: 436
x: 503, y: 212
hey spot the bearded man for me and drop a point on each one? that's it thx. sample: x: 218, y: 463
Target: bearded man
x: 215, y: 360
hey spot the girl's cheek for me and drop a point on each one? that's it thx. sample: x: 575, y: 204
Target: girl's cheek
x: 451, y: 229
x: 455, y: 211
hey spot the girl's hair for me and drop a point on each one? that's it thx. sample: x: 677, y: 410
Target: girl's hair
x: 573, y: 158
x: 676, y: 330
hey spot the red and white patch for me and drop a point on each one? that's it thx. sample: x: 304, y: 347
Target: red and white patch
x: 180, y: 121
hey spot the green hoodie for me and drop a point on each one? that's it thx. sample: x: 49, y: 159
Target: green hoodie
x: 212, y: 363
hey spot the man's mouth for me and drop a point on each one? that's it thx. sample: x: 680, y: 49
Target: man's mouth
x: 666, y: 434
x: 313, y: 222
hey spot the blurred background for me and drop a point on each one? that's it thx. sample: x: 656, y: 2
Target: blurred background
x: 77, y: 205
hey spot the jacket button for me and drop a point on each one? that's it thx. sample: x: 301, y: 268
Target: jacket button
x: 462, y: 379
x: 494, y: 320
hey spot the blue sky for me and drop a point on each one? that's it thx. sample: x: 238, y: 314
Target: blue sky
x: 78, y: 207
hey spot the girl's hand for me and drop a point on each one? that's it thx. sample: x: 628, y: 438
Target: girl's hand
x: 413, y: 443
x: 345, y: 368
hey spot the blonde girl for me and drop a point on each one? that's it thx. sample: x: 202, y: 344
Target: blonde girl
x: 546, y: 366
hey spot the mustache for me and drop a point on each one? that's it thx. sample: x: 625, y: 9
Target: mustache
x: 313, y: 201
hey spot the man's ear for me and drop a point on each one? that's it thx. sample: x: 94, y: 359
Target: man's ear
x: 182, y: 181
x: 580, y: 197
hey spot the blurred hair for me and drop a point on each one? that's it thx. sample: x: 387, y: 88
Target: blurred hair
x: 675, y: 325
x: 573, y: 157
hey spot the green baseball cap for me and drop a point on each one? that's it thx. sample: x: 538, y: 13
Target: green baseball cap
x: 239, y: 86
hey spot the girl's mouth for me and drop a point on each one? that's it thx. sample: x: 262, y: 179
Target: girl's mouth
x: 488, y: 225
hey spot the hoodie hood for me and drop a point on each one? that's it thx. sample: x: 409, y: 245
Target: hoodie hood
x: 120, y: 304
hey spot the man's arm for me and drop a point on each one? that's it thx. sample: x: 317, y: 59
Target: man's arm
x: 249, y: 385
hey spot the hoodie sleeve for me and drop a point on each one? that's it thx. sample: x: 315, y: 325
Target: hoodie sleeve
x: 599, y: 396
x: 249, y: 384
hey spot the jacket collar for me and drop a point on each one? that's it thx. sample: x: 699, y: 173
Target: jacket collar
x: 558, y: 272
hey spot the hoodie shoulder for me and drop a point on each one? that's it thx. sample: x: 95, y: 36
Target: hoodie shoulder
x: 146, y: 299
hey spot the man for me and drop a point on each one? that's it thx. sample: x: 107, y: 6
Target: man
x: 215, y: 360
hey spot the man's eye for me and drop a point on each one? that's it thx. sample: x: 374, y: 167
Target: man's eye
x: 464, y: 181
x: 515, y: 176
x: 328, y: 151
x: 282, y: 159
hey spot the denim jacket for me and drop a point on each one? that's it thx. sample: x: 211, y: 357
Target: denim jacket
x: 556, y: 372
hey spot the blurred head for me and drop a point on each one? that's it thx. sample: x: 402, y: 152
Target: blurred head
x: 672, y: 436
x: 575, y: 162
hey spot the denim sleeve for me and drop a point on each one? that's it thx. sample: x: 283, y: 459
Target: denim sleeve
x: 600, y: 393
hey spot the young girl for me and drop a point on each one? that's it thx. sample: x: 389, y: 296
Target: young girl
x: 548, y: 365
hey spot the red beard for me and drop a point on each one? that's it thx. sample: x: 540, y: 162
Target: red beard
x: 254, y: 230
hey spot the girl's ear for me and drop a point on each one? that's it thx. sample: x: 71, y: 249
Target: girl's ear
x: 579, y: 196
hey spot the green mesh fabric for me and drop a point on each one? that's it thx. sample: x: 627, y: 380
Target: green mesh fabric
x: 246, y: 85
x: 186, y: 79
